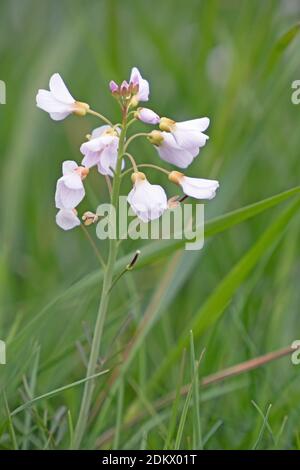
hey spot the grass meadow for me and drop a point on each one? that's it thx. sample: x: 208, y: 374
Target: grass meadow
x: 179, y: 317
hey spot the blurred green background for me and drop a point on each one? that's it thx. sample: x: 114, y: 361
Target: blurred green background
x: 231, y: 61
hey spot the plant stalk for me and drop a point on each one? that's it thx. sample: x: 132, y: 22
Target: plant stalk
x: 104, y: 300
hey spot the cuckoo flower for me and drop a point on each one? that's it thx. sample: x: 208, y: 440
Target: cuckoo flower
x: 101, y: 150
x: 197, y: 188
x: 69, y: 188
x: 176, y: 142
x: 59, y: 102
x: 67, y: 219
x: 141, y: 84
x: 187, y: 134
x: 148, y: 201
x: 170, y: 151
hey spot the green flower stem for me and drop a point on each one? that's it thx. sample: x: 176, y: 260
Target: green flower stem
x: 103, y: 118
x: 140, y: 134
x: 132, y: 161
x: 145, y: 165
x: 105, y: 295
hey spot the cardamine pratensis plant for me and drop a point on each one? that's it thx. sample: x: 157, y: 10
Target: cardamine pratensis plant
x: 106, y: 148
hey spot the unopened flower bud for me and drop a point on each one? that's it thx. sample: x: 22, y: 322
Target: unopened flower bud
x: 114, y: 88
x: 166, y: 124
x: 89, y: 218
x: 147, y: 115
x: 133, y: 261
x: 80, y: 109
x: 124, y: 88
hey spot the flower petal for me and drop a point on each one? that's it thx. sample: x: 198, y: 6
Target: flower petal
x: 69, y: 166
x: 47, y: 102
x: 200, y: 124
x: 67, y: 219
x: 136, y: 78
x: 172, y: 153
x: 199, y: 188
x: 147, y: 201
x: 108, y: 160
x: 66, y: 197
x: 59, y: 116
x: 59, y: 89
x: 100, y: 130
x: 189, y: 139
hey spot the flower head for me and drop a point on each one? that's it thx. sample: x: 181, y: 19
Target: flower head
x: 187, y: 134
x: 67, y: 219
x: 169, y: 150
x: 101, y: 150
x: 198, y: 188
x: 59, y: 102
x: 69, y: 188
x: 147, y: 115
x: 136, y: 90
x: 148, y: 201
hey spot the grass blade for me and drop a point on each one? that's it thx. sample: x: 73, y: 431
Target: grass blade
x: 51, y: 394
x: 10, y: 424
x: 197, y: 436
x: 215, y: 305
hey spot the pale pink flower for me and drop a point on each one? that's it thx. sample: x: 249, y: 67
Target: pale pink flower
x: 67, y: 219
x: 148, y: 201
x: 169, y: 150
x: 187, y: 134
x: 69, y: 188
x: 59, y: 102
x: 197, y: 188
x: 142, y: 85
x: 147, y: 115
x: 101, y: 150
